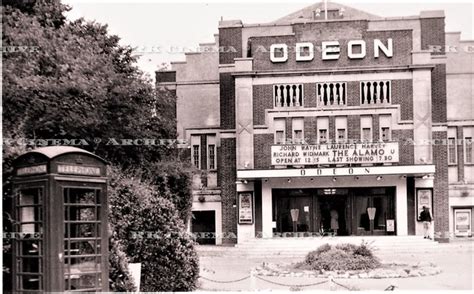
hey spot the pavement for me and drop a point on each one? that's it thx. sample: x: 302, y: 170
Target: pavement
x: 455, y: 259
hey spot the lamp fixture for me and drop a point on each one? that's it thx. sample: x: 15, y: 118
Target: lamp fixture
x: 334, y: 179
x: 356, y: 178
x: 289, y: 180
x: 379, y: 178
x: 245, y: 182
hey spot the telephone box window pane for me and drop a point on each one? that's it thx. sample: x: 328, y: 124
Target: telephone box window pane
x: 81, y: 213
x: 78, y: 282
x: 81, y: 196
x: 83, y: 247
x: 30, y: 247
x: 30, y: 265
x: 30, y: 197
x: 80, y: 265
x: 30, y: 282
x: 82, y: 230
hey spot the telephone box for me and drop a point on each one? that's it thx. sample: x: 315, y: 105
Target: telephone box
x: 60, y: 221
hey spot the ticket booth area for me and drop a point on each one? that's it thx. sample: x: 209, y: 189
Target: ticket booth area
x: 60, y: 213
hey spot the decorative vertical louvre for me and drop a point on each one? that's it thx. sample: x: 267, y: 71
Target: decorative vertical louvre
x: 288, y: 95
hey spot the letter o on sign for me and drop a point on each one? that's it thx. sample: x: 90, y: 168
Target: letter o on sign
x: 302, y: 172
x: 283, y: 48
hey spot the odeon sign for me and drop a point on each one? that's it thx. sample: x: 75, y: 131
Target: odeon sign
x: 330, y: 50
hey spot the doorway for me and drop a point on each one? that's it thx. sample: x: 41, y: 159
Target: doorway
x: 294, y: 211
x: 203, y: 225
x: 372, y: 208
x: 333, y: 214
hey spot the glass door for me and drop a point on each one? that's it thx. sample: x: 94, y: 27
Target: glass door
x: 372, y: 211
x: 295, y: 214
x: 82, y: 239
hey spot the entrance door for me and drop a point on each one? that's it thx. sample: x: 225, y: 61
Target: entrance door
x: 332, y: 212
x: 294, y: 214
x: 372, y: 211
x: 203, y: 224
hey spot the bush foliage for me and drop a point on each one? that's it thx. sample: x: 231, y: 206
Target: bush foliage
x: 151, y: 232
x: 341, y: 257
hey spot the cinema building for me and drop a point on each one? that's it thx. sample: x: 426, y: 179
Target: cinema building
x: 292, y: 122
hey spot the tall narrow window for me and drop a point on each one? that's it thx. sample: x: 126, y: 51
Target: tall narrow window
x: 385, y: 122
x: 196, y: 151
x: 468, y: 149
x: 323, y: 136
x: 212, y: 156
x: 280, y: 137
x: 298, y: 136
x: 341, y: 135
x: 452, y: 150
x: 280, y: 125
x: 297, y: 125
x: 211, y: 152
x: 366, y: 134
x: 196, y: 155
x: 385, y: 134
x: 366, y: 128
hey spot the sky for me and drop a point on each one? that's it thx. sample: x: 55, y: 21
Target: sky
x: 161, y: 31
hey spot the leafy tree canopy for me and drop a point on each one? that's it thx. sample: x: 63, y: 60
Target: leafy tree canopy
x: 72, y: 80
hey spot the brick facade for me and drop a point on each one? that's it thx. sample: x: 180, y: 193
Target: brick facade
x: 438, y: 94
x: 226, y: 177
x: 460, y: 153
x: 402, y: 94
x: 262, y: 150
x: 342, y: 31
x: 227, y: 101
x: 406, y: 147
x: 375, y: 127
x: 440, y: 193
x: 230, y: 40
x: 353, y: 130
x: 263, y: 99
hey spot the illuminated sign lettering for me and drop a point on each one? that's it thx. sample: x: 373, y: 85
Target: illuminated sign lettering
x: 334, y: 153
x: 330, y: 50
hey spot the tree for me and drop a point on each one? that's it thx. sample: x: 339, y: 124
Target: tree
x: 73, y: 80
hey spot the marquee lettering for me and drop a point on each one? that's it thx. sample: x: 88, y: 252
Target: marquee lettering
x: 330, y: 50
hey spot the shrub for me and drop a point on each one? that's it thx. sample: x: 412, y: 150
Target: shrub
x: 148, y: 227
x: 120, y: 279
x: 347, y: 247
x: 341, y: 257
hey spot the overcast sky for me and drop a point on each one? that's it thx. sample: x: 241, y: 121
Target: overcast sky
x: 148, y: 24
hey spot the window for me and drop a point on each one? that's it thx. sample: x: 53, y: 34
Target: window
x: 298, y: 136
x: 375, y: 92
x: 297, y: 125
x: 196, y: 151
x: 366, y: 134
x: 331, y: 94
x: 212, y: 156
x: 468, y: 149
x: 385, y: 134
x: 288, y: 95
x: 452, y: 150
x: 280, y: 137
x: 196, y: 155
x: 323, y: 136
x: 280, y: 125
x: 211, y: 152
x: 341, y: 135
